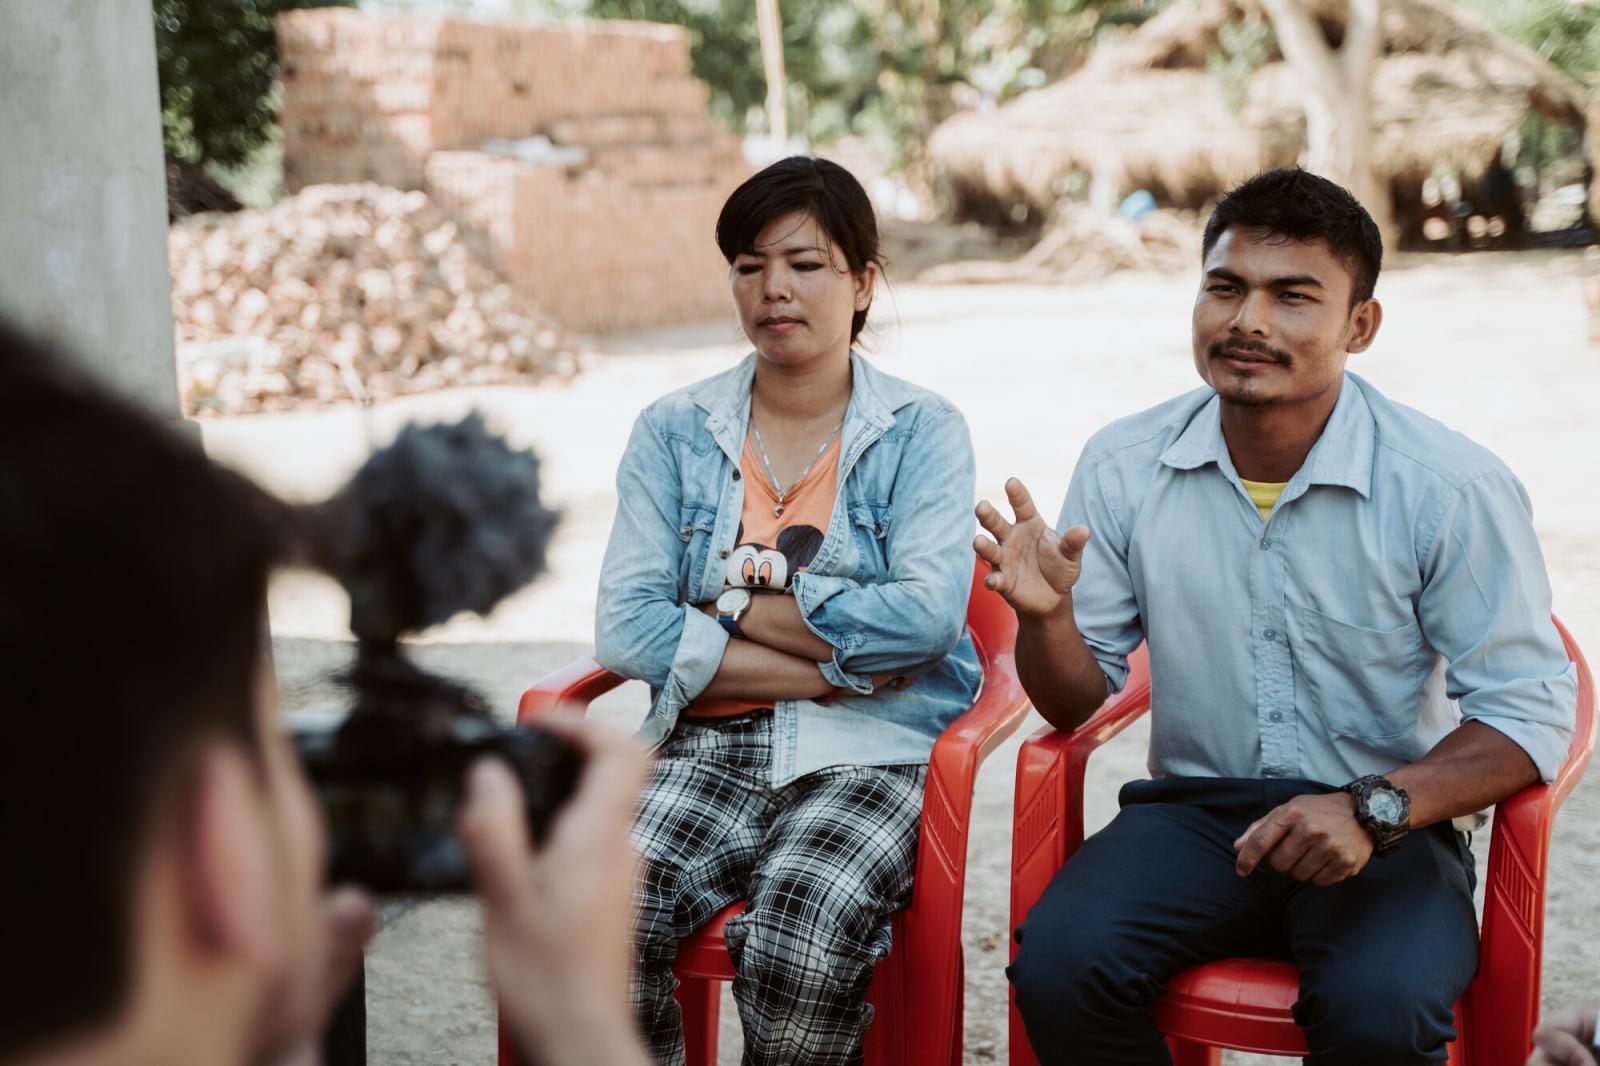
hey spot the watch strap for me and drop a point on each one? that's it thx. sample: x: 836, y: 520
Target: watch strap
x: 1386, y: 836
x: 730, y: 619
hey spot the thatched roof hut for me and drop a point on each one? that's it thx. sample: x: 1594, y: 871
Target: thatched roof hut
x: 1147, y: 113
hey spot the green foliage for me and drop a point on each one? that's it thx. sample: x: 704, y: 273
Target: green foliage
x: 725, y: 43
x: 1565, y: 32
x: 886, y: 69
x: 218, y: 63
x: 1245, y: 43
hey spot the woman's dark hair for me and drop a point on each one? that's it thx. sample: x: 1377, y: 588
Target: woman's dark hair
x: 826, y: 192
x: 1298, y: 204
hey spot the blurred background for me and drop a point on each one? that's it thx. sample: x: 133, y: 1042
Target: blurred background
x: 563, y: 150
x: 397, y: 210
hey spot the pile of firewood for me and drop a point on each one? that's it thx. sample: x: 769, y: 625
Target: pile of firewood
x: 344, y: 292
x: 1080, y: 245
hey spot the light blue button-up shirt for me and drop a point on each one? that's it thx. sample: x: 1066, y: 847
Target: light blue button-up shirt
x: 887, y: 588
x: 1395, y: 590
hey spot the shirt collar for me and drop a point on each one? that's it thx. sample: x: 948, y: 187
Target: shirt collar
x: 1343, y: 455
x: 874, y: 397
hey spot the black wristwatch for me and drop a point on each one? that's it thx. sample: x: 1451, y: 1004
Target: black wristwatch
x: 1383, y: 809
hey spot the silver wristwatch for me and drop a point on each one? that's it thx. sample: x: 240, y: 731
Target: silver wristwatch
x: 731, y: 606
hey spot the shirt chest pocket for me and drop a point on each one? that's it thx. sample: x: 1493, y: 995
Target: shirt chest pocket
x: 1367, y: 684
x: 695, y: 526
x: 869, y: 532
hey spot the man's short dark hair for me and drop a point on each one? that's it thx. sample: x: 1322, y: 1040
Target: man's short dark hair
x: 1302, y: 206
x: 133, y: 578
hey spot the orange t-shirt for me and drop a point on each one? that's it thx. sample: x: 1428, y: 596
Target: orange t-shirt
x: 770, y: 548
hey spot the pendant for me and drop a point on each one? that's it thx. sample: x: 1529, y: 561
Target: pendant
x: 777, y: 512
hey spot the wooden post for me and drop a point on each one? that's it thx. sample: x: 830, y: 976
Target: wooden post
x: 770, y: 25
x: 1591, y: 147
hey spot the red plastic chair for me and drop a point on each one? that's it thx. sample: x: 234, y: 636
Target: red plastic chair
x: 1244, y: 1004
x: 917, y: 992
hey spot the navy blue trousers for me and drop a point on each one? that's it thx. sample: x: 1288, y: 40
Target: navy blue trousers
x: 1383, y: 956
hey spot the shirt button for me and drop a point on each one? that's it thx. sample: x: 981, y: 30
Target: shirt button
x: 1270, y: 634
x: 1275, y: 716
x: 724, y: 553
x: 685, y: 531
x: 737, y: 475
x: 1266, y: 544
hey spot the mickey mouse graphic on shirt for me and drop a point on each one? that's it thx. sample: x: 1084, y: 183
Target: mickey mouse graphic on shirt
x: 759, y: 566
x: 784, y: 538
x: 778, y: 539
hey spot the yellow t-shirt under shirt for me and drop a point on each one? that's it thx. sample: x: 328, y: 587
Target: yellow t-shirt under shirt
x: 1263, y: 494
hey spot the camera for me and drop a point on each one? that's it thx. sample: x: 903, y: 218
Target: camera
x: 446, y: 519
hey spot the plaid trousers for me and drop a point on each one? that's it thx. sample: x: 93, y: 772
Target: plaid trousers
x: 823, y: 862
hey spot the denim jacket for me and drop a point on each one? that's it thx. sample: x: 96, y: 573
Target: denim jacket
x: 887, y: 588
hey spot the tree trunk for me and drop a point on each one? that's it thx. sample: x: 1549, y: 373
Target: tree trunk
x: 1338, y: 97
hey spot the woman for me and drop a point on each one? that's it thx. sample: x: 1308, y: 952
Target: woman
x: 789, y: 571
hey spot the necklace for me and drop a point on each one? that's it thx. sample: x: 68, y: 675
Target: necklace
x: 778, y: 489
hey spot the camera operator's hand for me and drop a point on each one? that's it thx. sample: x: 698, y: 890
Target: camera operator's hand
x: 1567, y: 1037
x: 558, y: 921
x: 350, y: 922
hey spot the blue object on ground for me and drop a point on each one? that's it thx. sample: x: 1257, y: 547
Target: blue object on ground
x: 1137, y: 205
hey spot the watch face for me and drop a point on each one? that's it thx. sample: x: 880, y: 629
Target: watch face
x: 733, y: 600
x: 1385, y: 806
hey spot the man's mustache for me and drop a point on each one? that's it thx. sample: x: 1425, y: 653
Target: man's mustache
x: 1219, y: 349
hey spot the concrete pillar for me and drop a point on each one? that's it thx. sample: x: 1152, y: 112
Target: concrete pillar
x: 83, y: 208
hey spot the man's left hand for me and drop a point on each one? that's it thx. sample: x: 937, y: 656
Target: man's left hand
x: 1312, y: 838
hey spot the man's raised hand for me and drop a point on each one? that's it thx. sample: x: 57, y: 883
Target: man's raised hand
x: 557, y: 932
x: 1033, y: 567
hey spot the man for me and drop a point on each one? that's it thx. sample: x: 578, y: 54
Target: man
x: 1350, y: 643
x: 162, y: 898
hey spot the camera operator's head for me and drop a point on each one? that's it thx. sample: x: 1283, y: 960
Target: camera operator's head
x: 160, y: 899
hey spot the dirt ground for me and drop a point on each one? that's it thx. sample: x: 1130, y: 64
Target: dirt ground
x: 1492, y: 344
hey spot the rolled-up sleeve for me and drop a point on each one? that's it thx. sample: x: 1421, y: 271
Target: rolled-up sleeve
x: 1485, y: 607
x: 642, y: 631
x: 916, y: 616
x: 1104, y: 605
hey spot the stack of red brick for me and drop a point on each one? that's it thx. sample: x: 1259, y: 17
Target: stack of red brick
x: 615, y: 235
